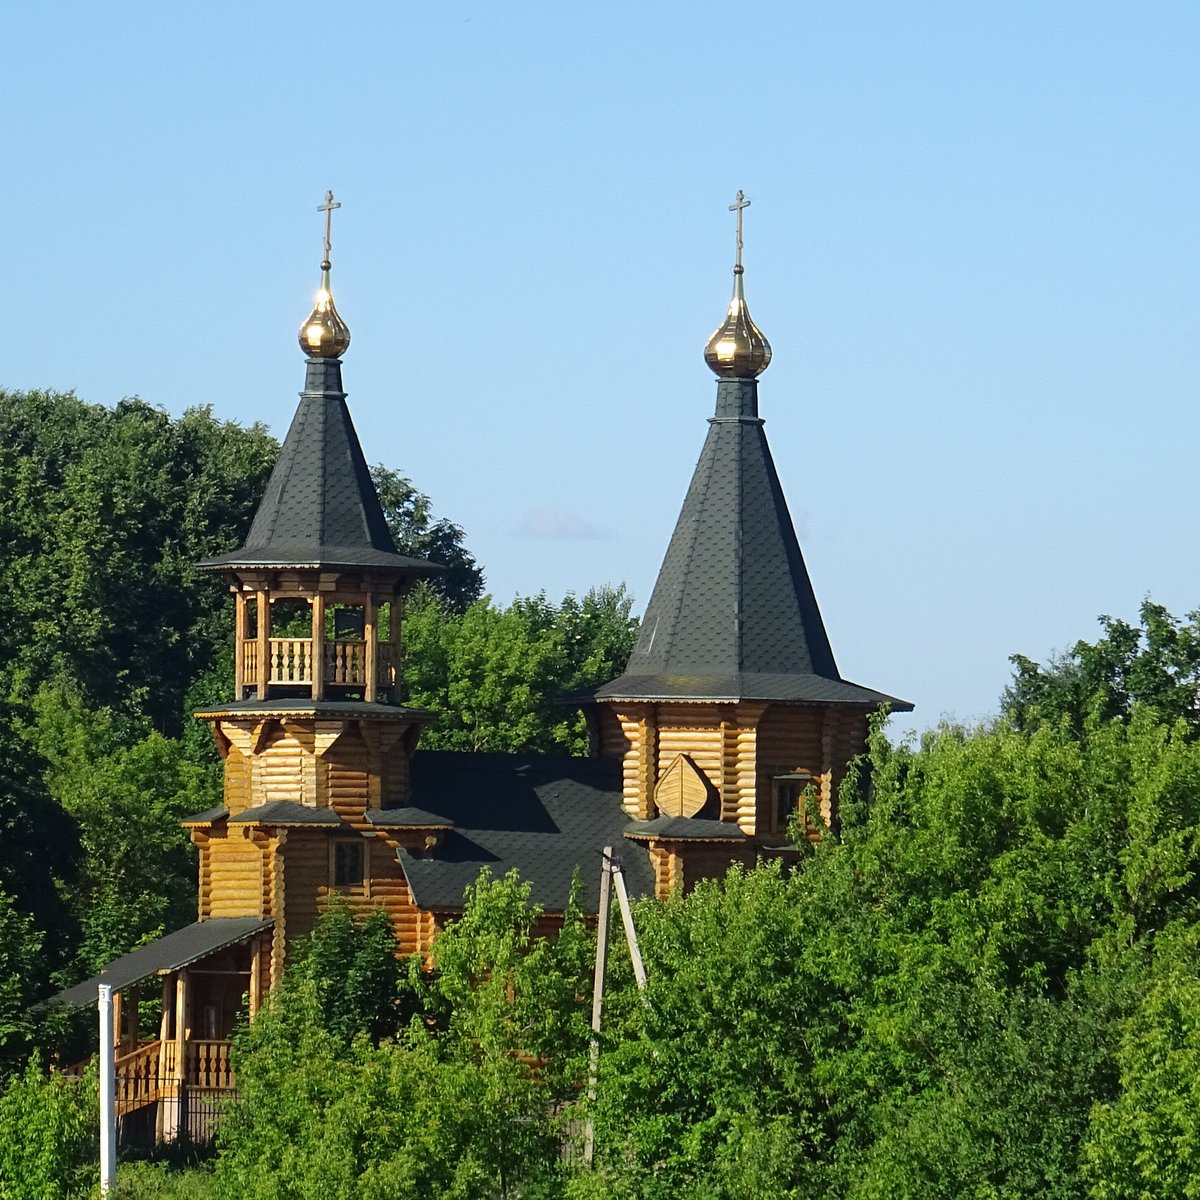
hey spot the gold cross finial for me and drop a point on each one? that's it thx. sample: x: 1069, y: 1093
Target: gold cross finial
x: 329, y: 205
x: 737, y: 206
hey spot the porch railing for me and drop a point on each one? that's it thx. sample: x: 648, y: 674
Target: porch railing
x: 290, y: 660
x: 140, y: 1076
x: 208, y: 1065
x: 155, y: 1105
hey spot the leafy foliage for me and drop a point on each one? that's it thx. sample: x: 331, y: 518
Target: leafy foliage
x: 348, y: 975
x: 933, y: 1005
x: 48, y: 1129
x: 453, y: 1107
x: 1145, y: 1140
x: 1156, y: 664
x: 127, y: 788
x: 39, y: 843
x: 21, y: 972
x: 160, y: 1181
x: 104, y: 513
x: 497, y: 676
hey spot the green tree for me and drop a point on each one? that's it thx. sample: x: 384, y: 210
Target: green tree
x: 460, y: 1104
x: 48, y: 1129
x: 933, y: 1004
x: 1155, y: 663
x: 22, y: 974
x: 409, y: 514
x: 104, y: 513
x: 127, y: 787
x: 499, y: 678
x: 348, y: 972
x: 1145, y: 1140
x: 39, y: 843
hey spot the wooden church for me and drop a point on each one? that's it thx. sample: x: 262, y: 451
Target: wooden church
x: 731, y: 706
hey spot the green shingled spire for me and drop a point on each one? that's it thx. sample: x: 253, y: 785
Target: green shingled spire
x: 733, y: 614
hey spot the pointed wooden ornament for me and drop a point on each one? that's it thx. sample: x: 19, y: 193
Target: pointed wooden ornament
x: 683, y: 789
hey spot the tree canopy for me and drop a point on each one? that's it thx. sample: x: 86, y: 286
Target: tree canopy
x: 1154, y: 663
x: 983, y: 984
x: 110, y: 638
x: 501, y: 678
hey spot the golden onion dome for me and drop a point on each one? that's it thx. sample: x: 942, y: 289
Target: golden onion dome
x: 324, y: 334
x: 738, y: 349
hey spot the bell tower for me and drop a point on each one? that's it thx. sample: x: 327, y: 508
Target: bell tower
x: 315, y: 741
x: 731, y: 705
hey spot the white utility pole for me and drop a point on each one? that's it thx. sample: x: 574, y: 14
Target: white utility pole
x: 108, y: 1092
x: 610, y: 870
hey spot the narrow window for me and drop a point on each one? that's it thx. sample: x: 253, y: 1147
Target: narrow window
x: 349, y: 864
x: 789, y: 792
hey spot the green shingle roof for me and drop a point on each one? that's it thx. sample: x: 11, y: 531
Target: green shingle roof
x: 544, y: 815
x: 733, y: 614
x: 288, y: 812
x: 179, y: 949
x: 320, y: 508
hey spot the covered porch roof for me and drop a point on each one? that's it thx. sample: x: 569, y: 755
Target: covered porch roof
x: 169, y: 953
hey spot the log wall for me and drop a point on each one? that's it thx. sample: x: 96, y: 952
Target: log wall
x: 238, y: 781
x: 281, y: 770
x: 740, y: 748
x: 305, y: 858
x: 235, y: 882
x: 694, y: 730
x: 347, y: 777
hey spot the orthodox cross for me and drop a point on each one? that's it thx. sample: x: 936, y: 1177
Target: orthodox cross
x: 737, y: 206
x: 329, y: 205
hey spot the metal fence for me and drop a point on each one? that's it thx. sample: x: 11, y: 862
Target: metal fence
x: 170, y: 1112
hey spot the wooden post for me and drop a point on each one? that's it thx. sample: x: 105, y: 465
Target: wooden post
x: 256, y: 950
x: 163, y: 1127
x: 318, y: 645
x: 635, y: 952
x: 168, y: 996
x: 395, y: 617
x: 371, y: 636
x: 181, y: 1026
x: 589, y: 1141
x: 264, y: 643
x: 239, y: 644
x: 117, y: 1014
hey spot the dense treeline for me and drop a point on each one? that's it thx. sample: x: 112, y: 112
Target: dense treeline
x: 110, y: 638
x: 985, y: 984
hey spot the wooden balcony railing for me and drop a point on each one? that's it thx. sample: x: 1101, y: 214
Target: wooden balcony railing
x: 208, y: 1064
x: 140, y: 1077
x: 150, y: 1072
x: 290, y: 661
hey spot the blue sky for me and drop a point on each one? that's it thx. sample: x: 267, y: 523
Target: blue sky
x: 972, y: 244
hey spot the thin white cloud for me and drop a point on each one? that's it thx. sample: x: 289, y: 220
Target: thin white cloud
x: 557, y: 525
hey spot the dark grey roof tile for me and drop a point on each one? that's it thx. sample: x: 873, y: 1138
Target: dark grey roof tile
x: 799, y: 689
x: 685, y: 829
x: 287, y: 812
x: 210, y: 816
x: 733, y: 600
x: 170, y: 953
x: 407, y: 818
x: 547, y: 816
x: 320, y: 507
